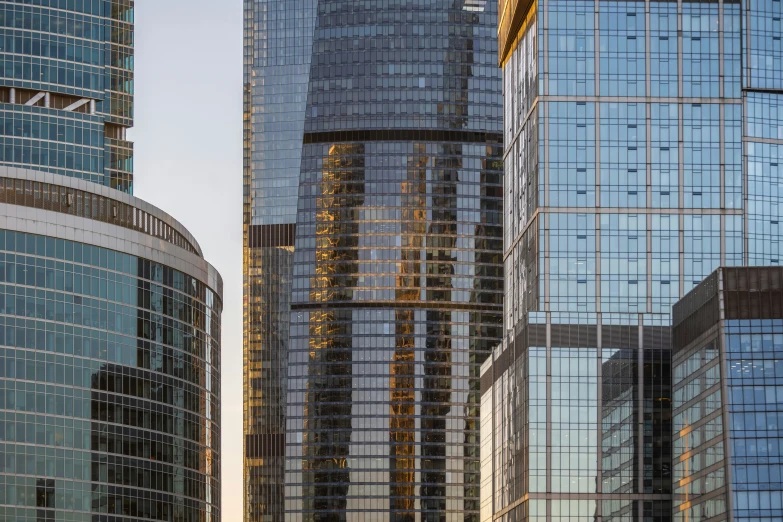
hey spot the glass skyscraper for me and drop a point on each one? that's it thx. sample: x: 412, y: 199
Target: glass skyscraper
x: 727, y: 407
x: 67, y: 88
x: 641, y: 151
x: 373, y: 269
x: 109, y: 313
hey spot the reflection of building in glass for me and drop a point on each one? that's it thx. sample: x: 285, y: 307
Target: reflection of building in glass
x: 728, y: 412
x: 373, y: 260
x: 109, y: 334
x: 576, y: 408
x: 641, y: 151
x: 109, y: 314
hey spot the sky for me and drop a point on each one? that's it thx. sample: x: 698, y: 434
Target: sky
x: 188, y: 162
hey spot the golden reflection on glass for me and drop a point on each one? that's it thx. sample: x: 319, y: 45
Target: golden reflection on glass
x: 327, y: 413
x: 441, y: 256
x: 402, y: 383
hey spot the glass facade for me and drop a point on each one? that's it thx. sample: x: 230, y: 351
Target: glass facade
x: 109, y: 314
x: 640, y: 153
x: 66, y: 88
x: 726, y: 404
x: 104, y: 404
x: 373, y: 282
x: 277, y: 53
x: 109, y: 359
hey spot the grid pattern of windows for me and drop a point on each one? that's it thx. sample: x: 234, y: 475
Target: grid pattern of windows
x: 754, y: 372
x: 762, y: 26
x: 110, y: 371
x: 622, y: 48
x: 373, y: 176
x: 82, y: 51
x: 568, y: 420
x: 633, y: 155
x: 396, y: 301
x: 744, y: 357
x: 278, y: 40
x: 570, y: 36
x: 641, y: 193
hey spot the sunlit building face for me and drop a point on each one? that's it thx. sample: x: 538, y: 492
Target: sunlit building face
x: 640, y: 153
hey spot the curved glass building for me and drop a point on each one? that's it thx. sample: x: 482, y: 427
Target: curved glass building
x: 66, y: 88
x: 373, y: 256
x: 109, y: 313
x: 110, y: 373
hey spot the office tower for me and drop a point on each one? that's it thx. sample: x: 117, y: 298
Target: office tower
x: 728, y: 341
x: 67, y: 88
x: 641, y: 152
x: 109, y: 313
x: 373, y: 272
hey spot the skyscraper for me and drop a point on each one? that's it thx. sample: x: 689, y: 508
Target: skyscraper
x: 109, y: 313
x: 373, y: 272
x: 641, y: 152
x: 67, y: 91
x: 728, y: 340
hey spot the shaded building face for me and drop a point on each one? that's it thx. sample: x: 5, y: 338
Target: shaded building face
x: 66, y: 88
x: 109, y: 314
x: 109, y: 361
x: 390, y: 177
x: 727, y: 414
x: 635, y: 152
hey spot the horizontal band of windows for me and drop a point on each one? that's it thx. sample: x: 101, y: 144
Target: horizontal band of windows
x: 80, y: 203
x: 435, y: 306
x: 264, y: 445
x: 576, y: 336
x: 266, y: 236
x: 404, y: 135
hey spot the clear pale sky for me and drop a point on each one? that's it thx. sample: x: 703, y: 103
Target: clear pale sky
x: 188, y: 162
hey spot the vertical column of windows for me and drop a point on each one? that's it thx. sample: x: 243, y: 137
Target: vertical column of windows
x: 574, y: 419
x: 663, y: 49
x: 702, y: 247
x: 664, y: 156
x: 622, y: 48
x: 701, y: 161
x: 537, y: 418
x: 732, y: 49
x: 571, y: 262
x: 571, y: 47
x: 665, y: 269
x: 623, y: 263
x: 623, y: 155
x: 755, y: 392
x: 764, y: 171
x: 619, y: 374
x: 572, y: 151
x: 698, y: 444
x: 700, y: 50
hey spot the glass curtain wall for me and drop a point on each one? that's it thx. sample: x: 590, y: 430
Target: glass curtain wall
x: 641, y: 153
x: 383, y: 151
x: 66, y: 88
